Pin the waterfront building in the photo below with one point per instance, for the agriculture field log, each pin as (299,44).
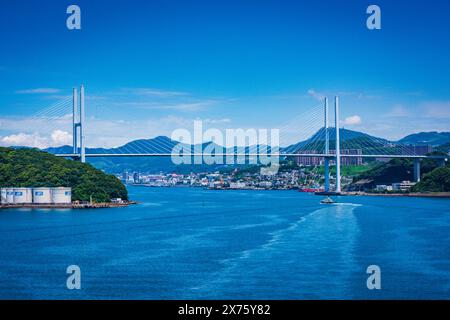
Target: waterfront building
(39,195)
(61,195)
(237,185)
(9,195)
(23,195)
(125,176)
(402,186)
(117,201)
(42,195)
(383,187)
(3,195)
(265,184)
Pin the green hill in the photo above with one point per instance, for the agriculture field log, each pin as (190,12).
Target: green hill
(33,168)
(384,173)
(437,180)
(396,170)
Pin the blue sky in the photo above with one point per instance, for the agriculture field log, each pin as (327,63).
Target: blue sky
(154,66)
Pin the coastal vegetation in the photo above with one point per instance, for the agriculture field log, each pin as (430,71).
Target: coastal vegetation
(383,173)
(438,180)
(34,168)
(397,170)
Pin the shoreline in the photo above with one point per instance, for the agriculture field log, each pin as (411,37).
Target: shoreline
(67,206)
(441,195)
(343,193)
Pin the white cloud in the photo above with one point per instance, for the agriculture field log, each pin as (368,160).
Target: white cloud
(182,106)
(37,139)
(25,140)
(316,95)
(426,109)
(155,92)
(398,111)
(352,121)
(195,106)
(217,121)
(38,91)
(154,99)
(60,138)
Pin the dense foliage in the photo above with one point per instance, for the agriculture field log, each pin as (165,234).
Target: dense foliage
(437,180)
(33,168)
(396,170)
(445,148)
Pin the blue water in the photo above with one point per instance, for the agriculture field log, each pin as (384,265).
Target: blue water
(183,243)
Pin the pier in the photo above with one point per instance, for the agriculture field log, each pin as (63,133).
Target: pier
(67,206)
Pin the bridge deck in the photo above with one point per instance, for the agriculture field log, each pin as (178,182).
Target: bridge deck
(100,155)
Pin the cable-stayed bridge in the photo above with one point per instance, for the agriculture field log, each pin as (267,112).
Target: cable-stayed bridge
(318,129)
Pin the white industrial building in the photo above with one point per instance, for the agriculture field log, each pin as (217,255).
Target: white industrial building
(23,195)
(237,185)
(41,195)
(402,186)
(61,195)
(383,187)
(9,195)
(3,195)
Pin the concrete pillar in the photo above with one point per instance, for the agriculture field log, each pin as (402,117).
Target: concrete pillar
(338,149)
(416,170)
(327,148)
(82,117)
(74,120)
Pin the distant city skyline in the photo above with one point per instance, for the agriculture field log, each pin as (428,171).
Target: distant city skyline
(152,67)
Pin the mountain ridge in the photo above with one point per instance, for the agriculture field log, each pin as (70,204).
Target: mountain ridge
(433,138)
(162,144)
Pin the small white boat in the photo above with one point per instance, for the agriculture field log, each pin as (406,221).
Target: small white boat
(327,200)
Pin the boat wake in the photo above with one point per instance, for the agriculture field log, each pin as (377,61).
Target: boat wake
(302,244)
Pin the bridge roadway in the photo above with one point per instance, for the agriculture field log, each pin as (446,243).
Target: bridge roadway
(321,155)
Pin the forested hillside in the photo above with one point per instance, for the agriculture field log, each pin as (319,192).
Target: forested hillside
(34,168)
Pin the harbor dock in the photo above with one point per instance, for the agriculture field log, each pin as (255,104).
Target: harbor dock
(67,205)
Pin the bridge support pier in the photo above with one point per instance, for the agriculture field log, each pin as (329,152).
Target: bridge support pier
(78,125)
(327,175)
(82,146)
(417,170)
(338,148)
(75,120)
(327,149)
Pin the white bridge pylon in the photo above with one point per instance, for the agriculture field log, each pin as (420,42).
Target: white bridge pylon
(337,153)
(78,119)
